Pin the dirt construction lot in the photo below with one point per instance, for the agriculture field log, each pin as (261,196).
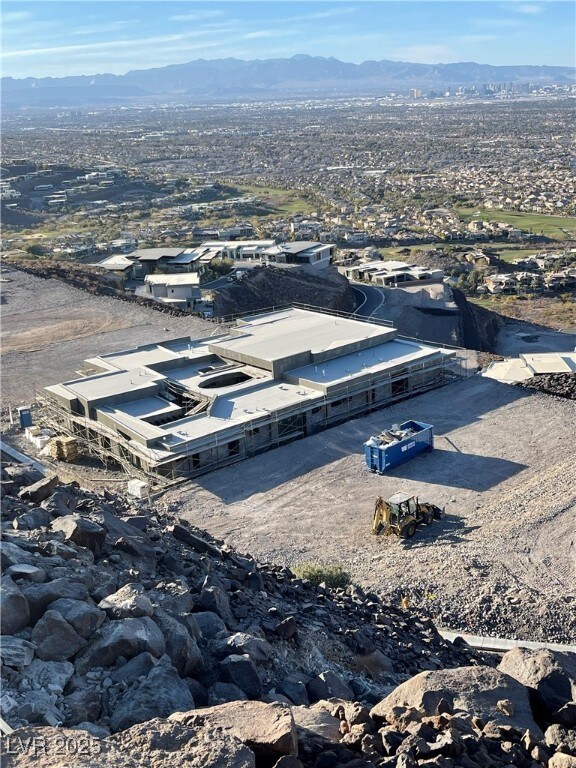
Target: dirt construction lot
(50,328)
(502,562)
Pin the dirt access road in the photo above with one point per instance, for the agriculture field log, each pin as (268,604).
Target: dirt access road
(502,562)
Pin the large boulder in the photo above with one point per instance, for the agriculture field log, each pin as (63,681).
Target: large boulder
(328,685)
(12,554)
(165,744)
(40,490)
(221,693)
(215,599)
(138,666)
(550,673)
(155,744)
(55,638)
(180,645)
(478,691)
(240,671)
(268,729)
(43,747)
(14,609)
(317,720)
(209,624)
(48,674)
(81,531)
(82,705)
(85,618)
(125,637)
(256,648)
(32,519)
(159,695)
(560,760)
(40,596)
(128,601)
(26,572)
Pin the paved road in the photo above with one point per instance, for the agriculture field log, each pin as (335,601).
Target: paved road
(215,283)
(369,300)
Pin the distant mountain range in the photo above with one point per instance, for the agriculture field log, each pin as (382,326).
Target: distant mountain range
(230,79)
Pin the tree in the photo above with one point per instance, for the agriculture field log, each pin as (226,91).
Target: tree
(35,250)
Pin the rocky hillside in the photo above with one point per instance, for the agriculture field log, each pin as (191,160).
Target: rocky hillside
(559,384)
(90,279)
(271,286)
(131,639)
(479,327)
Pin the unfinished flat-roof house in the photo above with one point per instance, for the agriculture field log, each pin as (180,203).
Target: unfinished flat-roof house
(186,406)
(179,290)
(391,274)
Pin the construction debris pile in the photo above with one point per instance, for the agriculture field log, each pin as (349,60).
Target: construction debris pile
(152,644)
(390,436)
(559,384)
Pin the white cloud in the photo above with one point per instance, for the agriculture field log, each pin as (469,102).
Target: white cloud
(321,15)
(196,16)
(528,8)
(111,46)
(477,38)
(97,29)
(423,54)
(268,33)
(12,16)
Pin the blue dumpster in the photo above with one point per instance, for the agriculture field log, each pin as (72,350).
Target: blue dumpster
(398,444)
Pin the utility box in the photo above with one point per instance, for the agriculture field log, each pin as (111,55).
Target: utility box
(398,444)
(25,416)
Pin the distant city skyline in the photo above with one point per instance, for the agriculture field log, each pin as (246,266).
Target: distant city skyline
(54,38)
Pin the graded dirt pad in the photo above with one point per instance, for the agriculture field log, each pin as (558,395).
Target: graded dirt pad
(50,328)
(502,561)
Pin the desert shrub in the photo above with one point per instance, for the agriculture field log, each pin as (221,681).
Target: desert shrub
(221,266)
(333,576)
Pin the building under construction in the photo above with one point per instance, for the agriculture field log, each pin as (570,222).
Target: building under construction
(183,407)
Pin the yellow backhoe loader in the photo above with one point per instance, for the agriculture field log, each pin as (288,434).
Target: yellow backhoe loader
(402,514)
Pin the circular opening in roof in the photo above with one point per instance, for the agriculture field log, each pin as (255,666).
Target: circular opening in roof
(225,380)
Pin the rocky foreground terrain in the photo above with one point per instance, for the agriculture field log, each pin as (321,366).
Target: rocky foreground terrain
(130,639)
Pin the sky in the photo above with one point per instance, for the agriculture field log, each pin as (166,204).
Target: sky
(43,38)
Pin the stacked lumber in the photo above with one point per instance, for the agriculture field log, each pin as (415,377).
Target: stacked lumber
(64,449)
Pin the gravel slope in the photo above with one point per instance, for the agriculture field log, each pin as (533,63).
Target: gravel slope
(502,562)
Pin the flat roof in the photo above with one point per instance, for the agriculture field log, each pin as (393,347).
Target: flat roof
(277,335)
(236,410)
(302,245)
(146,407)
(140,357)
(238,243)
(113,383)
(117,261)
(379,359)
(551,362)
(188,257)
(154,254)
(188,278)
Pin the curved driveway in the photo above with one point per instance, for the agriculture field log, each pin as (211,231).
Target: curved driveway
(369,299)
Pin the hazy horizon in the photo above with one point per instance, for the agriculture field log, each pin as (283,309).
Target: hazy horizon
(87,37)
